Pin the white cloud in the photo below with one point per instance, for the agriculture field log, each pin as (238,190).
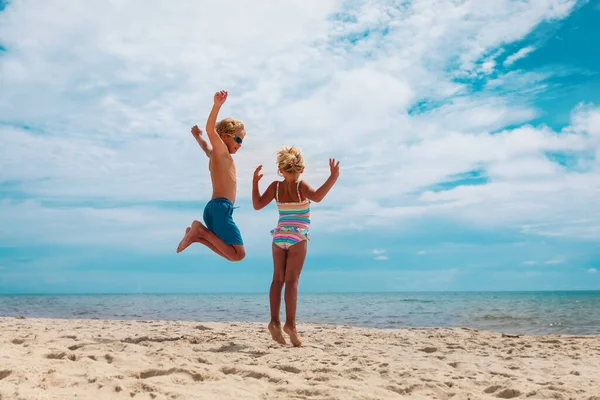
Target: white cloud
(553,261)
(488,66)
(109,101)
(380,255)
(522,53)
(592,270)
(421,252)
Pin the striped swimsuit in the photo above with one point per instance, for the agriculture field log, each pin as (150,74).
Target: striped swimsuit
(294,221)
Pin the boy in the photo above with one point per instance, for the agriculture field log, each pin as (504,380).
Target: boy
(221,234)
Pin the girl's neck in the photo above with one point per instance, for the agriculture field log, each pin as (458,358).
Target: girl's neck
(291,179)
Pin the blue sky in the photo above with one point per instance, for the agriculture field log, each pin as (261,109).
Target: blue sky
(468,134)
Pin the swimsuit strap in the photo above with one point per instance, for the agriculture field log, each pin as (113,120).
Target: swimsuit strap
(277,193)
(298,192)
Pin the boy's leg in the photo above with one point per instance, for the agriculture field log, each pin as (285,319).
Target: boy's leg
(279,260)
(293,267)
(198,233)
(221,228)
(188,239)
(235,252)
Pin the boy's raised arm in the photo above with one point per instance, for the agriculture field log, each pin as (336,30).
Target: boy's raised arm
(197,133)
(213,136)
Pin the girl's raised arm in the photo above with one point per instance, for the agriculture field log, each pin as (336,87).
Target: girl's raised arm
(320,193)
(261,201)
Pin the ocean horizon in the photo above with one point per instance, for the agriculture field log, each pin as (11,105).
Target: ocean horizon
(514,312)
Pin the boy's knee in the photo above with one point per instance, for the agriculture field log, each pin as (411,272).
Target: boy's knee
(239,255)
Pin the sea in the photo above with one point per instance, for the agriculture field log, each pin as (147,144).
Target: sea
(535,313)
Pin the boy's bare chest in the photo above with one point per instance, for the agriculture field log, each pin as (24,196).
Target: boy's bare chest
(222,165)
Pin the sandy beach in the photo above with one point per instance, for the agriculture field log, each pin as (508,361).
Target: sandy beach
(101,359)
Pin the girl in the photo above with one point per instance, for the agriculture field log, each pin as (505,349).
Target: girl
(291,235)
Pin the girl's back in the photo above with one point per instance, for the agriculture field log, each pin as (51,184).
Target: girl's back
(294,211)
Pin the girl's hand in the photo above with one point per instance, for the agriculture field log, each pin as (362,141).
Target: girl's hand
(334,167)
(257,174)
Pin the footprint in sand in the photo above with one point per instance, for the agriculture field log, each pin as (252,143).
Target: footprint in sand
(508,394)
(56,356)
(249,374)
(288,368)
(492,389)
(4,373)
(157,372)
(229,348)
(429,349)
(303,392)
(400,390)
(324,370)
(203,328)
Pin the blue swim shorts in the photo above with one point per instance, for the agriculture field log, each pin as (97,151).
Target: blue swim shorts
(218,217)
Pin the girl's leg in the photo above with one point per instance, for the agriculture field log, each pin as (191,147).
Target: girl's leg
(279,260)
(293,267)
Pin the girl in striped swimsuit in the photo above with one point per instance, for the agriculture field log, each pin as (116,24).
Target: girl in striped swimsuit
(290,237)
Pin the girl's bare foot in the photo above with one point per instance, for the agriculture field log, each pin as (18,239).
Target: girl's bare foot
(291,331)
(191,235)
(276,333)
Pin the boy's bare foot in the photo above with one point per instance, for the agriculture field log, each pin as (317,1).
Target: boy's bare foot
(293,335)
(192,235)
(185,242)
(276,333)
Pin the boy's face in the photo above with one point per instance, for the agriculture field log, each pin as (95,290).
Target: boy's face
(233,141)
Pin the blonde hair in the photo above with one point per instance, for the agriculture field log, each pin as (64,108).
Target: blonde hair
(230,125)
(289,159)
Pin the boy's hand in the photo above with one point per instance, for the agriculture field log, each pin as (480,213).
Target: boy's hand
(257,174)
(196,132)
(220,97)
(334,167)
